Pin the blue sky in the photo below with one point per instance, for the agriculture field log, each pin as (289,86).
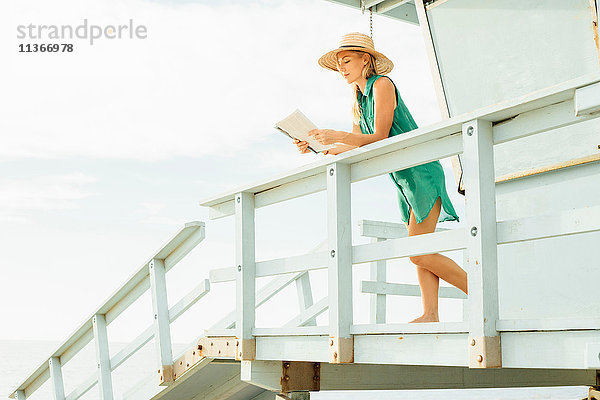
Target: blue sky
(106,151)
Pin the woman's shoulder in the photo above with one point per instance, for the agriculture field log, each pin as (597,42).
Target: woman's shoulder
(381,85)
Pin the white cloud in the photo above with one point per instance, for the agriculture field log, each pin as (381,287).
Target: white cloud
(207,80)
(18,198)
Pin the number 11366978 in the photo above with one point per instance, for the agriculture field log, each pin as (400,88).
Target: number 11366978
(46,48)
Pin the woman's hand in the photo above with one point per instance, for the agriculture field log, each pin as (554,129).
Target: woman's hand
(302,146)
(326,136)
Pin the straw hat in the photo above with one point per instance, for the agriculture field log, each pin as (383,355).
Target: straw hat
(361,42)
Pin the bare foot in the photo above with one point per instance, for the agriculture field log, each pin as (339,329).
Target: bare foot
(426,318)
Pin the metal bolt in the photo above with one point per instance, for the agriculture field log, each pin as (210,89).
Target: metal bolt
(211,343)
(155,316)
(227,343)
(470,131)
(332,253)
(317,365)
(193,353)
(159,371)
(331,172)
(474,231)
(239,267)
(331,342)
(479,358)
(98,365)
(199,347)
(335,355)
(316,379)
(180,362)
(239,199)
(287,378)
(286,365)
(187,364)
(472,342)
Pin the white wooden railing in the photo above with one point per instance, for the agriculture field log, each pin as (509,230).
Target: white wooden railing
(473,135)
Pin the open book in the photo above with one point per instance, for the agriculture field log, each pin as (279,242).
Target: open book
(297,126)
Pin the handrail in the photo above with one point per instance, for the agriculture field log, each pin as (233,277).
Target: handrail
(172,252)
(268,191)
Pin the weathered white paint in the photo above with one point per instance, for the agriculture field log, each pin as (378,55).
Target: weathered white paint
(160,308)
(245,259)
(481,227)
(377,272)
(102,357)
(339,230)
(509,48)
(56,377)
(587,99)
(305,299)
(307,316)
(402,289)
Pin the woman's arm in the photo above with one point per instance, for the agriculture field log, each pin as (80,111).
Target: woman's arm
(341,148)
(384,94)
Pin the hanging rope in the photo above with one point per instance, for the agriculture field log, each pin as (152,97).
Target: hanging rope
(362,10)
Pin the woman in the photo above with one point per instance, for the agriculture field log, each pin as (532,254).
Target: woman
(379,112)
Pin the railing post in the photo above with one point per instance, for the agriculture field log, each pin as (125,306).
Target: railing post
(378,300)
(58,387)
(305,298)
(245,258)
(339,234)
(102,357)
(484,339)
(162,323)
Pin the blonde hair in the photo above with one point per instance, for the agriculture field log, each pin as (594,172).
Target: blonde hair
(367,72)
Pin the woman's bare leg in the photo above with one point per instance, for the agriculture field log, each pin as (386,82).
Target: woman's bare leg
(431,267)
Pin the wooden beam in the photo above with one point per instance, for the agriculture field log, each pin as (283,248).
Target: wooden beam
(162,323)
(377,272)
(484,349)
(401,289)
(339,228)
(102,357)
(56,377)
(245,258)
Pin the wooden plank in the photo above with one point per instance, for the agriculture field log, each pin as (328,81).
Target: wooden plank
(308,315)
(262,296)
(162,324)
(478,156)
(300,263)
(245,258)
(397,329)
(305,299)
(339,230)
(382,229)
(292,331)
(450,240)
(586,100)
(377,306)
(102,357)
(56,378)
(401,289)
(83,388)
(548,325)
(567,222)
(536,121)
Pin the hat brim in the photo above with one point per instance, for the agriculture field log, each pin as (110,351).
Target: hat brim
(383,65)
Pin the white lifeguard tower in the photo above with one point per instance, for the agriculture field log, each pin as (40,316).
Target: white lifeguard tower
(518,84)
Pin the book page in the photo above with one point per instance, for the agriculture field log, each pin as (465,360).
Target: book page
(297,125)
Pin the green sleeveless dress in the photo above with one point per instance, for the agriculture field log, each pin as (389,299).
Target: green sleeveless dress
(418,187)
